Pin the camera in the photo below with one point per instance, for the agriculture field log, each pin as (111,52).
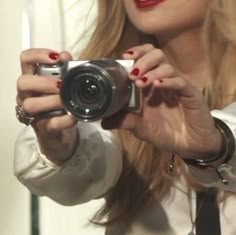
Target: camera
(94,89)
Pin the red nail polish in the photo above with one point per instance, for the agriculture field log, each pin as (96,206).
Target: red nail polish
(144,79)
(59,84)
(129,52)
(135,72)
(53,55)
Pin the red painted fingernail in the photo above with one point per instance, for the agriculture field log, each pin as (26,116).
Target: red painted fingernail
(144,79)
(135,72)
(53,55)
(129,52)
(59,84)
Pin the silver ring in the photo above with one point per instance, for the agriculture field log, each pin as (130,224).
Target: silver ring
(22,116)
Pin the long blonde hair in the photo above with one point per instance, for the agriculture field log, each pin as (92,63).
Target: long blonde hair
(145,174)
(220,41)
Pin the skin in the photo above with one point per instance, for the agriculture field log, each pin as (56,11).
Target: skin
(174,85)
(168,19)
(57,135)
(174,116)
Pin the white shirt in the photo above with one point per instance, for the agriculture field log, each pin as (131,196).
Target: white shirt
(95,168)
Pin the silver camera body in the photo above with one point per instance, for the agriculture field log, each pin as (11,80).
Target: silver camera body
(94,89)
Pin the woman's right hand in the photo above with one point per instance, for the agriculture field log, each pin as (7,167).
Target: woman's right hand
(57,135)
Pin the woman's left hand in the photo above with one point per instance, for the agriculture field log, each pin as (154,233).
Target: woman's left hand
(174,116)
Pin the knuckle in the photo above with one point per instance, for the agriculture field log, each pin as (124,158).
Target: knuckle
(27,106)
(140,133)
(20,84)
(182,82)
(160,53)
(54,125)
(24,55)
(169,69)
(65,56)
(149,46)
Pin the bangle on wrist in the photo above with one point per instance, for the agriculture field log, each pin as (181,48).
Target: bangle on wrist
(217,161)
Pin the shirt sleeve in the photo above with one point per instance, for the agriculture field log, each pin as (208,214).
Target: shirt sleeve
(212,177)
(93,169)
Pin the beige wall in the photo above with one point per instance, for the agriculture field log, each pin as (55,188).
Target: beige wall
(14,200)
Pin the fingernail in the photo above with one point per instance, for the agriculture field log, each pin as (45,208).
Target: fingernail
(144,79)
(59,84)
(129,52)
(53,55)
(135,72)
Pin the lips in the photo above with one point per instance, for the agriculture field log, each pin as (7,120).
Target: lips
(147,3)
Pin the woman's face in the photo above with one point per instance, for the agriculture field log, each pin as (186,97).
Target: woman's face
(166,17)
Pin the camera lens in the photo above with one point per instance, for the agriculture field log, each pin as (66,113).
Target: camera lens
(95,89)
(85,93)
(88,91)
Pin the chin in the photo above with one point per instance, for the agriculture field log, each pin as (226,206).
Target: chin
(152,28)
(165,31)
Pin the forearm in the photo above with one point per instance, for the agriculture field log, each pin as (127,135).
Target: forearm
(90,172)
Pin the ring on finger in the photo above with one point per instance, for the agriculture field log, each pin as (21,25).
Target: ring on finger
(22,116)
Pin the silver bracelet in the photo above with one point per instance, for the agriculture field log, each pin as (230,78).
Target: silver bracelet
(217,161)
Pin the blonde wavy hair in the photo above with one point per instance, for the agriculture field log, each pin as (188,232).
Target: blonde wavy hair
(145,174)
(220,40)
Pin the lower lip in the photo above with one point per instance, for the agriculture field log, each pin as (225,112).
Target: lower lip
(148,3)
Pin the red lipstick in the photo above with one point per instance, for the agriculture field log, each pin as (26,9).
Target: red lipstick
(147,3)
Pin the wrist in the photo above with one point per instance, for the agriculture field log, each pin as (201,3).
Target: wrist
(215,146)
(227,149)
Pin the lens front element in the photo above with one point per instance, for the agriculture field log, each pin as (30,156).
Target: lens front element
(95,89)
(86,93)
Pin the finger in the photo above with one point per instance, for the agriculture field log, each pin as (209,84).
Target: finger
(34,105)
(39,84)
(31,57)
(28,85)
(146,63)
(161,72)
(181,86)
(138,51)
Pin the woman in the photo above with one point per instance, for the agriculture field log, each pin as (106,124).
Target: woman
(152,163)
